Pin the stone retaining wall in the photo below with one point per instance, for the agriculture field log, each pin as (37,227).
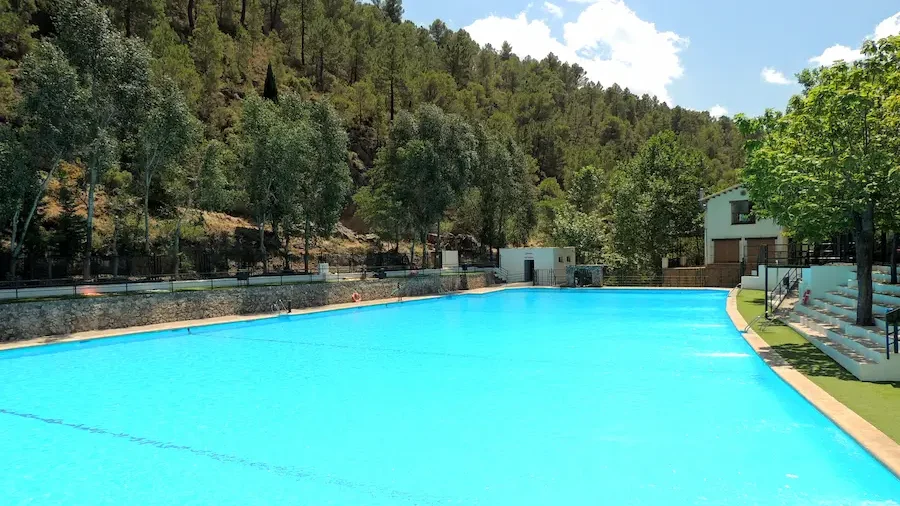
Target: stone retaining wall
(27,320)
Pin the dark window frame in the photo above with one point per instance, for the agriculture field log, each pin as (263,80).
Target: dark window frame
(741,217)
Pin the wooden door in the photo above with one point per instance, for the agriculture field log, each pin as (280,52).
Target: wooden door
(753,247)
(727,251)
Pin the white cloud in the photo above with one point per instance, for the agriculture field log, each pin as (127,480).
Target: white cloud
(773,76)
(835,53)
(553,9)
(717,111)
(608,40)
(886,28)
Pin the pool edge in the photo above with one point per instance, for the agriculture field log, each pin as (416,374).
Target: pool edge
(877,443)
(91,335)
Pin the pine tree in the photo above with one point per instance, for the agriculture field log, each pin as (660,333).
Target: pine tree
(270,90)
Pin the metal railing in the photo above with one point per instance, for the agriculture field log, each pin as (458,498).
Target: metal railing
(785,286)
(549,277)
(892,318)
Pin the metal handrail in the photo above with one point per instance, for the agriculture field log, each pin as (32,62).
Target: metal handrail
(785,286)
(892,317)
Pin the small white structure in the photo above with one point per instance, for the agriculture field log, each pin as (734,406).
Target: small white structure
(521,263)
(732,233)
(449,259)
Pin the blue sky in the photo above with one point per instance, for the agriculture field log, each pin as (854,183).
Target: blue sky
(701,54)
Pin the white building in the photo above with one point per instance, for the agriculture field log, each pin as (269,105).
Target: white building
(732,232)
(521,263)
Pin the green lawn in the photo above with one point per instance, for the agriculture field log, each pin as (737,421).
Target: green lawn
(879,403)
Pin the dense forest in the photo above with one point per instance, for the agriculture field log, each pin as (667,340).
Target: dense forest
(126,126)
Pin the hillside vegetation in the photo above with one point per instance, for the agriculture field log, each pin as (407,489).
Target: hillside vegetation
(126,124)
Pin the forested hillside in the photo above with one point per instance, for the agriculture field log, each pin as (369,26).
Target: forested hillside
(126,124)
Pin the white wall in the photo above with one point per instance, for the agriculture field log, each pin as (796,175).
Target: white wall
(775,275)
(449,258)
(513,259)
(717,223)
(821,279)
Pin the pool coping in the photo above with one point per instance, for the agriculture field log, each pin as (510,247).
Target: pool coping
(877,443)
(90,335)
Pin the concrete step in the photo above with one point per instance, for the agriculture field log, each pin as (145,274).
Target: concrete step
(851,300)
(844,317)
(883,269)
(880,298)
(878,286)
(862,346)
(857,364)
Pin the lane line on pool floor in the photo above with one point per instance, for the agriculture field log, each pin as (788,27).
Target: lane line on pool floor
(282,470)
(877,443)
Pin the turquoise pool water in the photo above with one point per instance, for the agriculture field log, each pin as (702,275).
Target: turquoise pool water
(518,398)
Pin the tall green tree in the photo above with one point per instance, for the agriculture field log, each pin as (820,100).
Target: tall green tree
(53,109)
(425,165)
(164,136)
(118,72)
(656,201)
(829,164)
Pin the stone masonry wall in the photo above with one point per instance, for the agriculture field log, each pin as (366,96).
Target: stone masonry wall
(26,320)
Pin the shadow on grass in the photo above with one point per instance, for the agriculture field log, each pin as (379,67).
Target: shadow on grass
(809,360)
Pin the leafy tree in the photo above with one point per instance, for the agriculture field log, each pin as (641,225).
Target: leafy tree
(16,29)
(53,107)
(587,188)
(392,9)
(425,166)
(167,131)
(656,201)
(327,185)
(118,71)
(208,47)
(120,201)
(173,59)
(829,163)
(132,15)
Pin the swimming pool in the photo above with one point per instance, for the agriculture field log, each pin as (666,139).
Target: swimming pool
(520,397)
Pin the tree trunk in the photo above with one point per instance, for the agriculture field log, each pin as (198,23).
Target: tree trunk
(115,246)
(321,70)
(190,13)
(89,240)
(287,252)
(412,250)
(306,246)
(392,97)
(147,214)
(17,241)
(244,13)
(437,248)
(177,245)
(894,258)
(262,241)
(424,251)
(128,16)
(303,32)
(864,224)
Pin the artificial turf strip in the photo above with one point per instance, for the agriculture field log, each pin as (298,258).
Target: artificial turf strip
(879,403)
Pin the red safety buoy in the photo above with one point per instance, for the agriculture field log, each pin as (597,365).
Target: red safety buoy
(356,297)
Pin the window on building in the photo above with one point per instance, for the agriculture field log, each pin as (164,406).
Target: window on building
(568,259)
(560,259)
(742,212)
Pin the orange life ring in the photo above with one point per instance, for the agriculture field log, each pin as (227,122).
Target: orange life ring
(356,297)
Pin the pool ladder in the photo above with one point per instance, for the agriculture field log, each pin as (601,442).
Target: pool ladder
(280,307)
